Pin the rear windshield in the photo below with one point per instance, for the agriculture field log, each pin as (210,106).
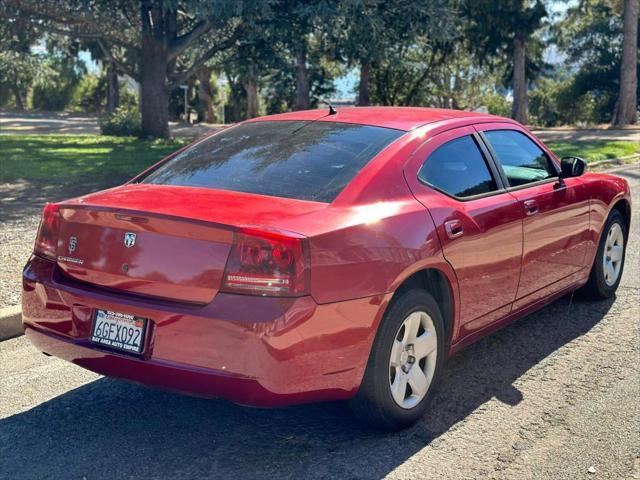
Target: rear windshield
(293,159)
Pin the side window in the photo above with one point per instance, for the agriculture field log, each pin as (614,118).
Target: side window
(522,160)
(458,168)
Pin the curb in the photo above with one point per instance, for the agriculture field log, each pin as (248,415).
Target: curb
(10,322)
(615,162)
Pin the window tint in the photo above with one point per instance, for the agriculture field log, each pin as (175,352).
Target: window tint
(458,168)
(522,160)
(303,160)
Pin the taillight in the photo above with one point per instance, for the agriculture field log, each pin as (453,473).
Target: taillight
(47,238)
(268,264)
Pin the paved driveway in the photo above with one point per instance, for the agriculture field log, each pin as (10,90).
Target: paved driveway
(32,123)
(550,397)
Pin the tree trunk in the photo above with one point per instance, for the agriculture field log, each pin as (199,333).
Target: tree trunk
(519,85)
(154,100)
(302,79)
(626,109)
(363,86)
(158,29)
(19,101)
(205,95)
(113,89)
(250,85)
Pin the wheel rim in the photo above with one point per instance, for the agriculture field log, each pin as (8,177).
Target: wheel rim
(613,254)
(413,359)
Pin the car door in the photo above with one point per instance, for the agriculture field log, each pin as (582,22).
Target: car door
(556,223)
(479,223)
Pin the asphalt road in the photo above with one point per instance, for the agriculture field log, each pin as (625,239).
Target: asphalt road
(556,395)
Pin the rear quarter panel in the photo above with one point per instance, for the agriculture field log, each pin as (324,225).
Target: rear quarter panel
(375,249)
(605,191)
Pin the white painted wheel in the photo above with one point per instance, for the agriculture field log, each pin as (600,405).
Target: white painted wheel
(413,359)
(613,254)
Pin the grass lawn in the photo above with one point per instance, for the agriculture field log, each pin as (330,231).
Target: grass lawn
(61,159)
(594,150)
(64,159)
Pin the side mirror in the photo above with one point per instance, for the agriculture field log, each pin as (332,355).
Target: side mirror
(572,167)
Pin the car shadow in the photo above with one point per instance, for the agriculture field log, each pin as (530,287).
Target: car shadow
(112,429)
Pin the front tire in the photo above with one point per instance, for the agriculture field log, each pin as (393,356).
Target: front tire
(404,365)
(608,264)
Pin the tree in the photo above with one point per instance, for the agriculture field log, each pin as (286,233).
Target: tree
(19,66)
(149,40)
(369,32)
(407,74)
(590,36)
(207,92)
(501,30)
(17,73)
(300,27)
(626,109)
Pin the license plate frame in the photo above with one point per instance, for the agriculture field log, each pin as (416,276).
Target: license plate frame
(126,332)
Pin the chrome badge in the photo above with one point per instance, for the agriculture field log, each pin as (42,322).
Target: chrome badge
(129,239)
(73,244)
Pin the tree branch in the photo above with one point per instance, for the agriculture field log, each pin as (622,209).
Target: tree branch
(119,65)
(178,78)
(180,44)
(78,26)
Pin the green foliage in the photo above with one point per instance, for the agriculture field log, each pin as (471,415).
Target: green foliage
(279,81)
(491,25)
(125,122)
(497,104)
(555,102)
(90,94)
(55,90)
(591,37)
(18,70)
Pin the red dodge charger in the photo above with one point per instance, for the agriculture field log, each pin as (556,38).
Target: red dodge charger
(318,255)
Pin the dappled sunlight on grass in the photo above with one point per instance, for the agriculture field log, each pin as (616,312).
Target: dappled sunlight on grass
(68,158)
(593,150)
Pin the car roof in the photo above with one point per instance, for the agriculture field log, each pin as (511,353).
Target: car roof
(400,118)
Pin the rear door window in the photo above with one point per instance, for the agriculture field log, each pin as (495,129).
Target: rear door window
(292,159)
(522,160)
(458,168)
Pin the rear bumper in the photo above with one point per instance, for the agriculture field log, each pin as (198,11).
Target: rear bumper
(256,351)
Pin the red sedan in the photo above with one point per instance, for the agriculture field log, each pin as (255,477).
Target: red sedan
(322,256)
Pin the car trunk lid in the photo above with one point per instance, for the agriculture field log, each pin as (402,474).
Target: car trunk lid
(164,242)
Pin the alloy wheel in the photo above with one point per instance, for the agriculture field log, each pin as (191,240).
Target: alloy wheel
(613,254)
(413,359)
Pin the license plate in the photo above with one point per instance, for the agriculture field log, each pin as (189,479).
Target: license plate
(119,330)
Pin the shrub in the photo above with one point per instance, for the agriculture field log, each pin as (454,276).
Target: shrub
(498,104)
(124,123)
(90,94)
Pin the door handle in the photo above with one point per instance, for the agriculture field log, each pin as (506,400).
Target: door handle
(453,228)
(531,207)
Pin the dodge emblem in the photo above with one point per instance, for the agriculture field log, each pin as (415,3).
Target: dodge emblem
(73,243)
(129,239)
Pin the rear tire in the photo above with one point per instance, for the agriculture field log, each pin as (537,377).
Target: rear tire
(608,264)
(404,365)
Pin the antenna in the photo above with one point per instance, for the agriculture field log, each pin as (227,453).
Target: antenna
(332,111)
